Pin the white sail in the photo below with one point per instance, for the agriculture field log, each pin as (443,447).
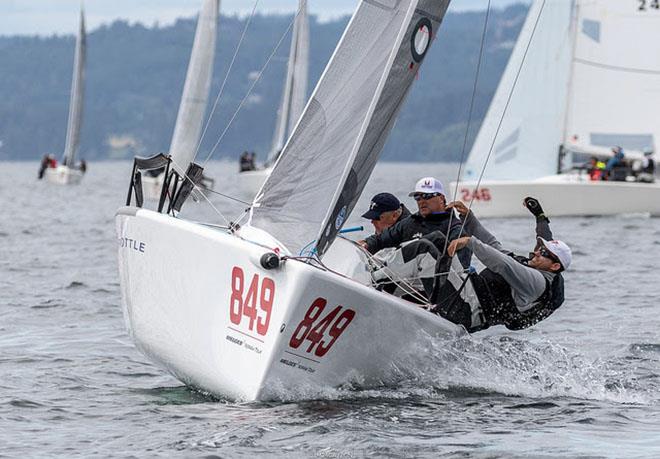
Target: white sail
(533,127)
(334,147)
(295,84)
(77,94)
(196,89)
(615,96)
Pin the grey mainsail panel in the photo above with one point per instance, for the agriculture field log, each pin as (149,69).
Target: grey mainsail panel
(295,83)
(334,148)
(196,89)
(77,95)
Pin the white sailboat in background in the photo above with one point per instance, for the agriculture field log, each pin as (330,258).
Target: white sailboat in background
(293,101)
(245,312)
(68,173)
(194,99)
(590,81)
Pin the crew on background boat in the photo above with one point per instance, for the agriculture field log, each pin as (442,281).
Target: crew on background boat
(384,211)
(646,172)
(510,291)
(595,168)
(247,162)
(83,166)
(615,168)
(48,160)
(419,240)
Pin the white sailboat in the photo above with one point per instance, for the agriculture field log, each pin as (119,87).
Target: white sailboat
(67,172)
(194,99)
(294,96)
(244,312)
(589,81)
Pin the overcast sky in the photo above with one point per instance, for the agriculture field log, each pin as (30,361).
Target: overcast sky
(45,17)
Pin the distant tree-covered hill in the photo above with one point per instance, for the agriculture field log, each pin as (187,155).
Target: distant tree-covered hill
(135,76)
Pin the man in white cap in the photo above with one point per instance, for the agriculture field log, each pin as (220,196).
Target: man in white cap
(433,222)
(511,290)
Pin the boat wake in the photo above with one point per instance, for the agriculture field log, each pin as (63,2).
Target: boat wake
(500,365)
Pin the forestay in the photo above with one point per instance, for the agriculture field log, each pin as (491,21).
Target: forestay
(533,126)
(616,64)
(77,95)
(196,88)
(295,84)
(334,147)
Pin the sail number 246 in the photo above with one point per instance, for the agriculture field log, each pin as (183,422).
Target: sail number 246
(646,4)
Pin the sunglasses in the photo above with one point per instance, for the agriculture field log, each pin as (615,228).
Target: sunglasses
(424,196)
(544,252)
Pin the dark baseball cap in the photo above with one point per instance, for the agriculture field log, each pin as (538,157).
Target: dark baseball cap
(382,202)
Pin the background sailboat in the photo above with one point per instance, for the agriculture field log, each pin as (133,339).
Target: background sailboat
(294,96)
(68,172)
(194,99)
(584,77)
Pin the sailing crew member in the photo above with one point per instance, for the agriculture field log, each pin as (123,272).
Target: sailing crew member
(616,161)
(384,211)
(432,222)
(419,239)
(646,172)
(510,291)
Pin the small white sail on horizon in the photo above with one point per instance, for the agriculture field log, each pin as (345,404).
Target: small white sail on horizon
(77,96)
(294,94)
(196,89)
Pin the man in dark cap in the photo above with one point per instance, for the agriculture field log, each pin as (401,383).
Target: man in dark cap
(384,211)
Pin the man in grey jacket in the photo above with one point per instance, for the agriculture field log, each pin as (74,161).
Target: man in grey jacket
(511,291)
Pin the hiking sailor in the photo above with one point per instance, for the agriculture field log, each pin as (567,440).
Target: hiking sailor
(419,240)
(511,291)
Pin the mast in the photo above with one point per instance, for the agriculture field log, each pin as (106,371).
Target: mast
(77,94)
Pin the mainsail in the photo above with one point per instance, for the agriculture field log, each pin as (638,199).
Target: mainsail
(196,89)
(615,95)
(334,147)
(533,125)
(590,79)
(295,84)
(77,94)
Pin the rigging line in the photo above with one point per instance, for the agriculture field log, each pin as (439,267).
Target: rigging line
(506,107)
(228,197)
(467,129)
(261,72)
(616,67)
(224,82)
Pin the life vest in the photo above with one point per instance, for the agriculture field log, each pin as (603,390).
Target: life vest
(498,307)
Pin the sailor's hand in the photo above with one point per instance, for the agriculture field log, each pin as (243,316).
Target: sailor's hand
(362,243)
(461,208)
(533,206)
(456,245)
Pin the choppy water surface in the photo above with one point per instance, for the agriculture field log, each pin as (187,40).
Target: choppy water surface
(584,383)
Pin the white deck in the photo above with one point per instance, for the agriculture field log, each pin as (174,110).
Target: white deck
(63,175)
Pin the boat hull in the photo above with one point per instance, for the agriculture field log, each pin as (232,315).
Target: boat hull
(250,182)
(197,301)
(63,175)
(562,195)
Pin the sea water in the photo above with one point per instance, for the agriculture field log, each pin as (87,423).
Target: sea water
(583,383)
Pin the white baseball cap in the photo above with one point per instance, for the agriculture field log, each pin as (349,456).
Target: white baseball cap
(428,185)
(560,250)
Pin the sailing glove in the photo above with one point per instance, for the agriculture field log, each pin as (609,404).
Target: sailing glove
(535,208)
